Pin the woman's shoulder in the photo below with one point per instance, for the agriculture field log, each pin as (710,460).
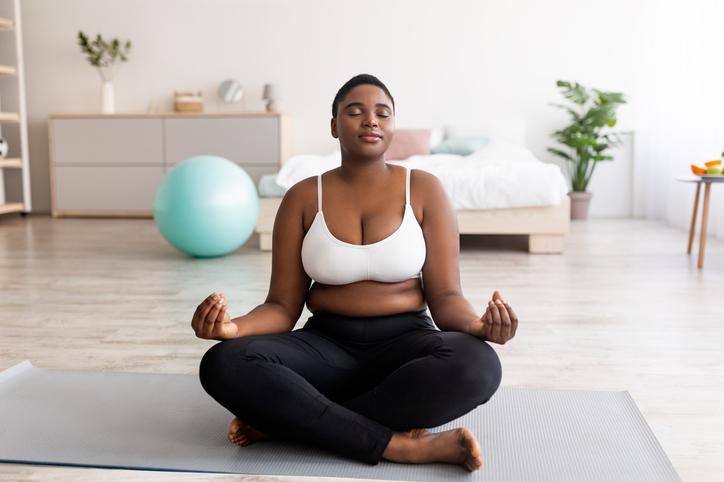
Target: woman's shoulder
(426,190)
(420,174)
(301,198)
(423,181)
(302,189)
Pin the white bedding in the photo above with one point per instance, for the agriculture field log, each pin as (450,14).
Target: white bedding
(499,175)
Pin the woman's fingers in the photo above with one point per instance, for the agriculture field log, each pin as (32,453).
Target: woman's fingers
(222,312)
(211,316)
(513,319)
(220,317)
(201,312)
(495,325)
(506,325)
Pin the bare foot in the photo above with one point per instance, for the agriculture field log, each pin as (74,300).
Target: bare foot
(457,446)
(243,434)
(416,432)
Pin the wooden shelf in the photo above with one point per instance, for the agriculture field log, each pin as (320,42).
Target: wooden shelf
(9,117)
(11,162)
(13,110)
(11,208)
(8,70)
(7,23)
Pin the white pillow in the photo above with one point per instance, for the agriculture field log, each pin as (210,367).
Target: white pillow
(437,135)
(509,130)
(504,151)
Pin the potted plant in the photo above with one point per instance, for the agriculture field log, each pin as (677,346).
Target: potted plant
(587,138)
(104,55)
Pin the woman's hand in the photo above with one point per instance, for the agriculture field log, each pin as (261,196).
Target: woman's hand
(499,322)
(211,320)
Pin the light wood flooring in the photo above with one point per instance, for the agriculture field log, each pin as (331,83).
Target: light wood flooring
(623,309)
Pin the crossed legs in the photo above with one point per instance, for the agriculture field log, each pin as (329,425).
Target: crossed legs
(306,387)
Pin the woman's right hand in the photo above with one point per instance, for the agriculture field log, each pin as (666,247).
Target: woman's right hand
(211,319)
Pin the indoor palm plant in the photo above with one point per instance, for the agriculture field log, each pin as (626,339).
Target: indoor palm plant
(587,138)
(104,55)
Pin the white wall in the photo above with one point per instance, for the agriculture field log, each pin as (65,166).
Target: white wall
(443,61)
(681,114)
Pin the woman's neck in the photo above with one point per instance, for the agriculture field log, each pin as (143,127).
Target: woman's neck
(364,173)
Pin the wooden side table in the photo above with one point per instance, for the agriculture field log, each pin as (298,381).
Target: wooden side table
(707,181)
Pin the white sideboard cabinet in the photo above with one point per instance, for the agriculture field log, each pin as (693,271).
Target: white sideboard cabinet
(111,164)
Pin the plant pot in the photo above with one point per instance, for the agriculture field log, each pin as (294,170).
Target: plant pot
(108,101)
(579,204)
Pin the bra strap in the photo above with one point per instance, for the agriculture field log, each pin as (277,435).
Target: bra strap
(407,187)
(319,192)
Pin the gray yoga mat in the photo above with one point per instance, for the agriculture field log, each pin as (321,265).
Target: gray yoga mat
(167,422)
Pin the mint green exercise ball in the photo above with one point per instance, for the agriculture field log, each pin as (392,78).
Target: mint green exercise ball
(206,206)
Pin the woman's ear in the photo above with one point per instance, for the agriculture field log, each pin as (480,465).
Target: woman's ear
(333,126)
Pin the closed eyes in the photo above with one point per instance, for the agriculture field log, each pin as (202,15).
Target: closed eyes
(353,114)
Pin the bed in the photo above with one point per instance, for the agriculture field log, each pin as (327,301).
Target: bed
(498,188)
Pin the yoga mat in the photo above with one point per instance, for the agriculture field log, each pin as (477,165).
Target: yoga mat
(167,422)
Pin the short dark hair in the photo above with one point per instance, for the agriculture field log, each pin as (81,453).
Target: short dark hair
(360,79)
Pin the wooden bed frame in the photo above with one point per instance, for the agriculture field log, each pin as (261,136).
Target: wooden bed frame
(545,226)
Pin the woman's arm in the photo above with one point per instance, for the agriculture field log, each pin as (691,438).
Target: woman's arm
(441,272)
(289,282)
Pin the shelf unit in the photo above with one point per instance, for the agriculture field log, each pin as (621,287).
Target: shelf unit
(13,112)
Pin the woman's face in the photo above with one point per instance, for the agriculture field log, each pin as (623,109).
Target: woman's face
(365,122)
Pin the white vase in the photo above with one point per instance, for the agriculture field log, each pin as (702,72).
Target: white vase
(108,101)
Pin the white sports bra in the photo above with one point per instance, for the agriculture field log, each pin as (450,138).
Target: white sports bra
(396,258)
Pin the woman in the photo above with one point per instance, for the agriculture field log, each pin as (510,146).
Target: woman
(369,371)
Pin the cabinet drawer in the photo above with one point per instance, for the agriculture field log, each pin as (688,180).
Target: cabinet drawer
(253,140)
(255,172)
(107,141)
(101,188)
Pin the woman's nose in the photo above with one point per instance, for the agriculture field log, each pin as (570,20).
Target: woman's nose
(371,121)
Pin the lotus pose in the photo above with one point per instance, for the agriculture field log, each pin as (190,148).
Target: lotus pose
(370,247)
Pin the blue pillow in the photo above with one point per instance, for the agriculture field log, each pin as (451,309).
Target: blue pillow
(461,146)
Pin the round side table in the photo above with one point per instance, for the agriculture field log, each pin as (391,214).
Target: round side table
(707,181)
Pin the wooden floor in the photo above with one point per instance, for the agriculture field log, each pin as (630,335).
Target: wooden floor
(623,309)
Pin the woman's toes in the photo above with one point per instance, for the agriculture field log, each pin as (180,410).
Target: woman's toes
(234,426)
(473,464)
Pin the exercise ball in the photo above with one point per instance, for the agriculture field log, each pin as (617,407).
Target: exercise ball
(206,206)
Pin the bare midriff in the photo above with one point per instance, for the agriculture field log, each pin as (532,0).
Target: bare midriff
(367,298)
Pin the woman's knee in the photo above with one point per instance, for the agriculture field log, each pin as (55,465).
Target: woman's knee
(229,361)
(212,366)
(493,372)
(477,367)
(220,361)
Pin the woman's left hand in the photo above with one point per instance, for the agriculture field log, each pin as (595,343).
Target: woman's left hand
(499,322)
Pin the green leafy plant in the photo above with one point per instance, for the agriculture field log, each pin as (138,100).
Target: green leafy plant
(101,53)
(586,139)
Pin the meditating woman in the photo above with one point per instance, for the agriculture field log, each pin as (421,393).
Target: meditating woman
(369,371)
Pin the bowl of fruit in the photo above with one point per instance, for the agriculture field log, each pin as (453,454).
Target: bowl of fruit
(710,168)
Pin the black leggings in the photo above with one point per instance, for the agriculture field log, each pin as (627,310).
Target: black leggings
(345,384)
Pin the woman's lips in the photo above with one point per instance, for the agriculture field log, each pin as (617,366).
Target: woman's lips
(371,139)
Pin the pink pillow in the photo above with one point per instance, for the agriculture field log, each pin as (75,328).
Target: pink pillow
(408,142)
